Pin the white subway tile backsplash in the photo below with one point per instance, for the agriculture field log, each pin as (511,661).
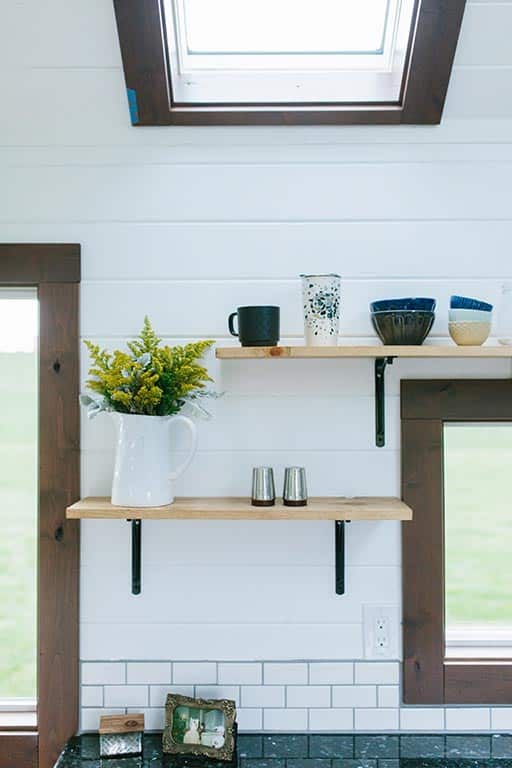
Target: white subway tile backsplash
(388,696)
(308,696)
(126,696)
(501,719)
(263,696)
(154,718)
(377,673)
(148,672)
(198,673)
(331,672)
(158,693)
(354,696)
(422,719)
(249,719)
(240,674)
(285,719)
(372,705)
(376,719)
(103,673)
(331,719)
(276,673)
(92,696)
(218,692)
(468,718)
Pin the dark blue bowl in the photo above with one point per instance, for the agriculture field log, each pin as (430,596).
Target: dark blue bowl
(389,305)
(464,302)
(403,327)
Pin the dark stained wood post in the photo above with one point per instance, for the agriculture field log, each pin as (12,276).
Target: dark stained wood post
(55,271)
(429,676)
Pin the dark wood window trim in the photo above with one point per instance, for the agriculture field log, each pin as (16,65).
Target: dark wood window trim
(55,271)
(428,676)
(432,47)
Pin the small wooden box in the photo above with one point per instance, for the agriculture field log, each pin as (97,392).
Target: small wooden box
(121,735)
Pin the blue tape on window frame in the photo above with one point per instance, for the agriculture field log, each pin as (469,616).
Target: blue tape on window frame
(132,104)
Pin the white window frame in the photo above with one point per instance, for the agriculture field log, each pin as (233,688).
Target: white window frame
(289,78)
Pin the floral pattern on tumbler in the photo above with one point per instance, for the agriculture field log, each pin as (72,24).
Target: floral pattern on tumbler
(321,297)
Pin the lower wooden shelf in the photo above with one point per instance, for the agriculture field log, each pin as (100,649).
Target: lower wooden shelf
(236,508)
(339,509)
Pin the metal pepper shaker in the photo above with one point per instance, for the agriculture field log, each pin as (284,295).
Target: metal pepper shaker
(295,492)
(263,487)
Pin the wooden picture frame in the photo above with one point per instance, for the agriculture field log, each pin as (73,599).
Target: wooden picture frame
(54,269)
(173,740)
(429,677)
(431,50)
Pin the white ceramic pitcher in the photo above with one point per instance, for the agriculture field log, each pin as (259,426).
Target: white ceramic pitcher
(143,476)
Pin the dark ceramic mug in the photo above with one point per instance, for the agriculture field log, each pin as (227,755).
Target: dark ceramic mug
(257,326)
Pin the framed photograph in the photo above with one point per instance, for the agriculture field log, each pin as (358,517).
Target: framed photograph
(199,727)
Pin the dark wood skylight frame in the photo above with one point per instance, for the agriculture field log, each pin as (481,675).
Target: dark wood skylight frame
(432,45)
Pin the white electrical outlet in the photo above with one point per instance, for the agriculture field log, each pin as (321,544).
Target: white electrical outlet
(381,628)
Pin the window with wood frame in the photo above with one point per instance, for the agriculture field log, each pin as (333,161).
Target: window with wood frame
(39,478)
(456,565)
(287,62)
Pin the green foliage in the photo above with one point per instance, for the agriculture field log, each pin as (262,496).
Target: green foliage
(149,379)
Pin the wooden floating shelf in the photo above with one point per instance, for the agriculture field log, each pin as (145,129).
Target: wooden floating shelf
(234,508)
(339,509)
(381,354)
(371,352)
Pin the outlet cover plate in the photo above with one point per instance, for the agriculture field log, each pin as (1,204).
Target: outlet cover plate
(381,626)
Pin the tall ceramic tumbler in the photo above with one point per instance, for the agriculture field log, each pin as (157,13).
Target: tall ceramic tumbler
(321,300)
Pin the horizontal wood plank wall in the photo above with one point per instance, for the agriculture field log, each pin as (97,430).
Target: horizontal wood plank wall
(186,225)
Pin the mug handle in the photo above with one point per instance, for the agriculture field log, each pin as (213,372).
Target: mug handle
(231,323)
(193,447)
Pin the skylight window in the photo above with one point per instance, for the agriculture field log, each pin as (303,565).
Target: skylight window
(274,51)
(284,26)
(287,62)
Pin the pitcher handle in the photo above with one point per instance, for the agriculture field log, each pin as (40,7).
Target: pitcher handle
(193,447)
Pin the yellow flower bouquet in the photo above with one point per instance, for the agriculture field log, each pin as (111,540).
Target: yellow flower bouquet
(149,379)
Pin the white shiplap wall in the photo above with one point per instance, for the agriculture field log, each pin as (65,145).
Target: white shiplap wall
(187,223)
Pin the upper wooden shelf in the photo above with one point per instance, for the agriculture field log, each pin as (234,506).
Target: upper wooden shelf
(372,352)
(233,508)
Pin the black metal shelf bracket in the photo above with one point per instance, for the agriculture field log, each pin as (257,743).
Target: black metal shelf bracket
(380,405)
(339,553)
(136,555)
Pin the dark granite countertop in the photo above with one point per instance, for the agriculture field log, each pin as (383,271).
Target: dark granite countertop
(315,751)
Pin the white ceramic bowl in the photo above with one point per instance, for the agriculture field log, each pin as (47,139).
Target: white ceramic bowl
(469,316)
(469,334)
